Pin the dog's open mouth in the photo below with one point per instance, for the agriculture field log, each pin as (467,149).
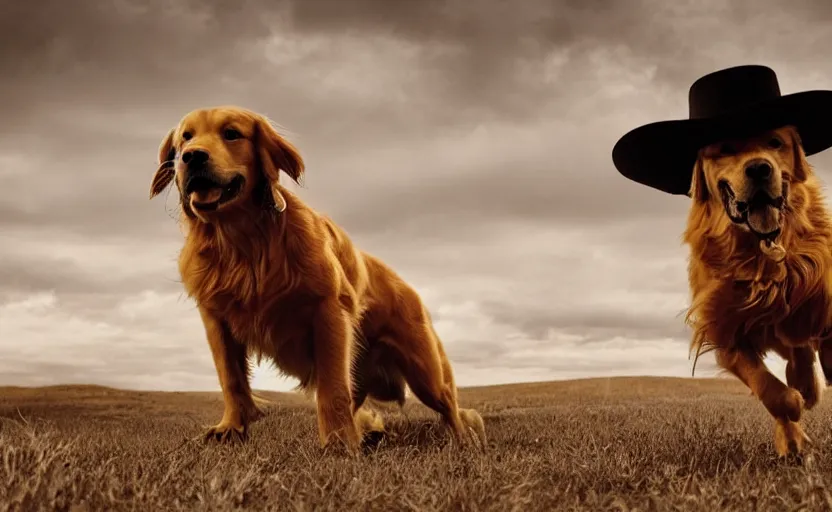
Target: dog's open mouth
(762,214)
(207,194)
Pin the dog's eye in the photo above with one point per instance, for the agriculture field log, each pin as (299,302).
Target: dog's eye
(231,134)
(727,150)
(775,143)
(186,135)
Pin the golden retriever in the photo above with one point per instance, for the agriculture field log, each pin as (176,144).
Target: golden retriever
(760,271)
(272,277)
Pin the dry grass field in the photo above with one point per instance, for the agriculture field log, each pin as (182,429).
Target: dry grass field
(597,444)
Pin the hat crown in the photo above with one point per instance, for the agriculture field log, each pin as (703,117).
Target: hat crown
(729,89)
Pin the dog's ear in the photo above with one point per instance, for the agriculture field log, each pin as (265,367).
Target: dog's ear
(698,183)
(277,154)
(801,165)
(166,171)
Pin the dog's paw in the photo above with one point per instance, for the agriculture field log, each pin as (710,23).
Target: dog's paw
(343,442)
(790,439)
(368,420)
(811,395)
(341,437)
(225,432)
(472,420)
(371,428)
(338,427)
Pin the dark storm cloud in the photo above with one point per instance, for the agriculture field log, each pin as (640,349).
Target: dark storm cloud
(162,53)
(90,49)
(97,49)
(466,142)
(159,55)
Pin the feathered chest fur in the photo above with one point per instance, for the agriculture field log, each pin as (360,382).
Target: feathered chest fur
(748,300)
(249,289)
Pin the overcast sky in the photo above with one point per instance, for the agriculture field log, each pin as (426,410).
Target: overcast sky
(467,143)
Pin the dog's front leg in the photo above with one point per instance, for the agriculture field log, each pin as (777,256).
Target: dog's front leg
(785,404)
(333,339)
(230,360)
(801,374)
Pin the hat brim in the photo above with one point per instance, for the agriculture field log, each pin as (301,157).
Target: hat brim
(661,155)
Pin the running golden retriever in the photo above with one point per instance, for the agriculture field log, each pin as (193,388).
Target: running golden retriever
(761,271)
(274,278)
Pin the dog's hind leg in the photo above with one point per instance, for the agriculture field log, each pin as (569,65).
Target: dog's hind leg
(365,381)
(428,373)
(470,417)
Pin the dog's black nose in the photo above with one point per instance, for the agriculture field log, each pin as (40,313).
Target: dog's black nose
(195,158)
(758,170)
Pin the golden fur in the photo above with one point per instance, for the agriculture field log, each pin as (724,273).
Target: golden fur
(745,303)
(274,278)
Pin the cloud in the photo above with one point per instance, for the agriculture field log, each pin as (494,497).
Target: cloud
(466,145)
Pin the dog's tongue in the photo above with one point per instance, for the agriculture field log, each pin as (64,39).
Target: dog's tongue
(210,195)
(764,220)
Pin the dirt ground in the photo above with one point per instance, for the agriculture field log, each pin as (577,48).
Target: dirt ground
(597,444)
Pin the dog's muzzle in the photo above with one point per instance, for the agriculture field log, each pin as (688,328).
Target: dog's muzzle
(759,211)
(761,214)
(207,191)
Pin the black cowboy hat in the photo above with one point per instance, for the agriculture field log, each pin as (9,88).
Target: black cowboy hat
(730,103)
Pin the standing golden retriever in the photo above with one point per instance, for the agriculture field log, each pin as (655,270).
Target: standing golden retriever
(761,270)
(274,278)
